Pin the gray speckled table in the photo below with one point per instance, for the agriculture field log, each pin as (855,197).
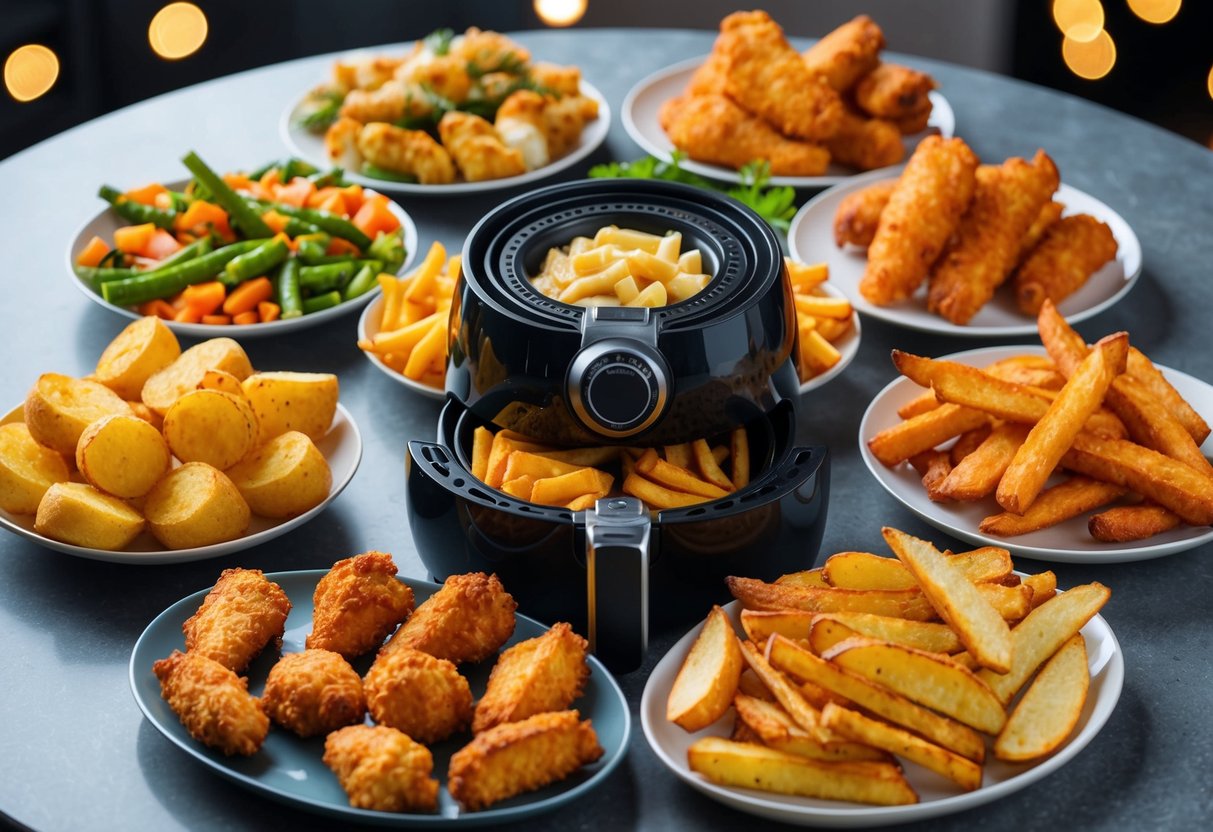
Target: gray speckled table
(75,753)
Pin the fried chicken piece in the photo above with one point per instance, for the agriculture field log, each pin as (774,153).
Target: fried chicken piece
(383,769)
(766,76)
(712,129)
(846,54)
(446,75)
(533,677)
(865,143)
(212,702)
(711,77)
(424,697)
(488,50)
(519,757)
(341,143)
(476,148)
(411,152)
(894,92)
(914,122)
(466,621)
(562,80)
(239,616)
(924,209)
(313,692)
(563,120)
(387,103)
(1049,214)
(858,214)
(1073,249)
(1008,198)
(357,604)
(369,74)
(520,125)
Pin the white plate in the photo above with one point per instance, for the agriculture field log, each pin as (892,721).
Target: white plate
(310,146)
(368,327)
(1067,542)
(937,796)
(811,239)
(643,104)
(106,222)
(341,446)
(847,346)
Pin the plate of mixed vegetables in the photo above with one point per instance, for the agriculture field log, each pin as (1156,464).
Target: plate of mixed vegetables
(281,247)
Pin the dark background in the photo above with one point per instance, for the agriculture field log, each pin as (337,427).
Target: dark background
(106,62)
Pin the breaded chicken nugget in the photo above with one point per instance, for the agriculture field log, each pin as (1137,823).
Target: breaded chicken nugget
(476,148)
(766,76)
(865,143)
(488,49)
(520,125)
(562,80)
(713,129)
(1008,198)
(382,769)
(914,122)
(858,214)
(387,103)
(212,702)
(466,621)
(563,120)
(1073,249)
(520,757)
(239,616)
(446,75)
(924,209)
(533,677)
(423,696)
(341,143)
(412,152)
(313,692)
(357,604)
(846,54)
(894,92)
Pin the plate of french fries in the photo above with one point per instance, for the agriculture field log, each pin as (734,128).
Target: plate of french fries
(876,690)
(1081,463)
(828,325)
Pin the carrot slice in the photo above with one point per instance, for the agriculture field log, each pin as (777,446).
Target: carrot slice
(238,181)
(246,296)
(147,194)
(158,308)
(217,320)
(249,317)
(187,315)
(295,192)
(268,311)
(93,253)
(354,196)
(205,297)
(340,246)
(131,239)
(374,216)
(201,217)
(277,222)
(334,203)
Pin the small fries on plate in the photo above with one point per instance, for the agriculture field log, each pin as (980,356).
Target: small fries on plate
(828,325)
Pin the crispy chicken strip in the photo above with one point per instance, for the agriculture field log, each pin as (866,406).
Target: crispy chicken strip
(411,152)
(562,80)
(357,604)
(488,49)
(446,75)
(533,677)
(466,621)
(865,143)
(313,692)
(476,148)
(519,757)
(387,103)
(846,54)
(563,120)
(520,125)
(212,702)
(894,92)
(924,209)
(243,613)
(341,143)
(858,214)
(383,769)
(712,129)
(711,77)
(424,697)
(1049,214)
(369,74)
(1072,249)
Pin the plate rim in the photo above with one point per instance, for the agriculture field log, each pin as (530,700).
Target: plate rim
(417,387)
(1125,555)
(400,819)
(849,350)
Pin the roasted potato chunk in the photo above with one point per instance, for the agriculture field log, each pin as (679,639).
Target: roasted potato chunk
(122,455)
(195,505)
(27,469)
(139,351)
(59,408)
(212,427)
(284,477)
(79,514)
(183,375)
(286,401)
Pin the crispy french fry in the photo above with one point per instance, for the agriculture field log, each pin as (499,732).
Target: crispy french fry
(806,277)
(705,460)
(756,595)
(540,467)
(404,339)
(482,445)
(719,453)
(919,404)
(785,693)
(1141,368)
(679,455)
(584,501)
(1071,498)
(817,354)
(653,295)
(520,487)
(739,442)
(589,457)
(751,685)
(864,570)
(938,466)
(430,350)
(1125,523)
(968,442)
(1043,585)
(657,496)
(771,726)
(823,306)
(564,488)
(977,475)
(828,629)
(1050,708)
(679,479)
(923,432)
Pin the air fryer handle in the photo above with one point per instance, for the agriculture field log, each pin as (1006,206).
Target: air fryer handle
(617,537)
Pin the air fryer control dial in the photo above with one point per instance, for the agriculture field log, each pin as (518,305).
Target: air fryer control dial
(617,387)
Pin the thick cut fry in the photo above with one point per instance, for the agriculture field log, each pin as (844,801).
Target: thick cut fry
(739,447)
(859,213)
(482,444)
(864,570)
(977,475)
(895,445)
(1141,368)
(1043,586)
(846,54)
(679,479)
(707,681)
(934,467)
(705,459)
(680,455)
(559,490)
(1070,251)
(1063,501)
(828,629)
(968,442)
(657,496)
(756,595)
(771,726)
(1125,523)
(785,693)
(1050,708)
(751,685)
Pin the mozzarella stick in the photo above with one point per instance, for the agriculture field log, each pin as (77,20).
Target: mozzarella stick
(894,92)
(865,143)
(859,213)
(1073,249)
(846,54)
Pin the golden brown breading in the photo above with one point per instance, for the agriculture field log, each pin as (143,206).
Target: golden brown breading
(212,702)
(520,757)
(368,74)
(313,692)
(382,769)
(341,143)
(535,676)
(1073,248)
(487,49)
(1049,214)
(924,209)
(894,92)
(858,214)
(476,148)
(712,129)
(563,80)
(412,152)
(865,143)
(520,125)
(387,103)
(357,604)
(466,621)
(446,75)
(564,119)
(1008,198)
(766,76)
(914,122)
(423,696)
(846,54)
(242,613)
(711,76)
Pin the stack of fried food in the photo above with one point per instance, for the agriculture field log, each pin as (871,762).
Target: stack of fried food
(869,660)
(525,737)
(495,113)
(821,318)
(965,229)
(1102,418)
(756,97)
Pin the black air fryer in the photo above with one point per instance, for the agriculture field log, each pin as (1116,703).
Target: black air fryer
(572,375)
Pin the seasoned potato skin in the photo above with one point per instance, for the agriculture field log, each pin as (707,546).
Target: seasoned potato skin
(284,401)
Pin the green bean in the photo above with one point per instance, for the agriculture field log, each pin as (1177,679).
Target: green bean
(325,220)
(252,263)
(296,227)
(136,212)
(310,257)
(293,167)
(361,283)
(97,275)
(326,301)
(286,290)
(376,172)
(161,283)
(333,176)
(390,249)
(239,213)
(199,247)
(317,279)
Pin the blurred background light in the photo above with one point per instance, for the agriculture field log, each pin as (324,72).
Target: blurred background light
(177,31)
(1079,20)
(1091,59)
(1210,82)
(560,12)
(1155,11)
(30,71)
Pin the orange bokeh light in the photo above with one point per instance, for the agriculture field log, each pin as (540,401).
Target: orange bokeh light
(1079,20)
(177,31)
(1155,11)
(30,71)
(1091,60)
(560,12)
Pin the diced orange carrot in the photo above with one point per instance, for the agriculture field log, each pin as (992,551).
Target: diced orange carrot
(296,192)
(353,197)
(160,245)
(374,216)
(187,315)
(321,195)
(238,181)
(340,246)
(268,311)
(158,308)
(163,201)
(147,194)
(177,301)
(249,317)
(205,297)
(92,254)
(246,296)
(277,222)
(334,203)
(131,239)
(270,178)
(202,217)
(217,320)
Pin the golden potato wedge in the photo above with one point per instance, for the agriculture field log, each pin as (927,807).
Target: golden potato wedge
(785,693)
(195,505)
(122,455)
(864,570)
(27,469)
(749,684)
(222,381)
(900,603)
(285,401)
(77,513)
(707,681)
(59,408)
(172,382)
(212,427)
(1049,708)
(142,349)
(807,577)
(772,727)
(1043,586)
(827,629)
(284,477)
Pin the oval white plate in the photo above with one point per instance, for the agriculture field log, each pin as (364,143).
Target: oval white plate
(1067,542)
(368,327)
(310,146)
(643,104)
(811,239)
(937,796)
(847,346)
(341,446)
(106,222)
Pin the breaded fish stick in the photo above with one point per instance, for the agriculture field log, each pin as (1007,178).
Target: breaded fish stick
(1007,200)
(846,54)
(866,143)
(212,702)
(894,92)
(1073,248)
(924,209)
(859,213)
(239,617)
